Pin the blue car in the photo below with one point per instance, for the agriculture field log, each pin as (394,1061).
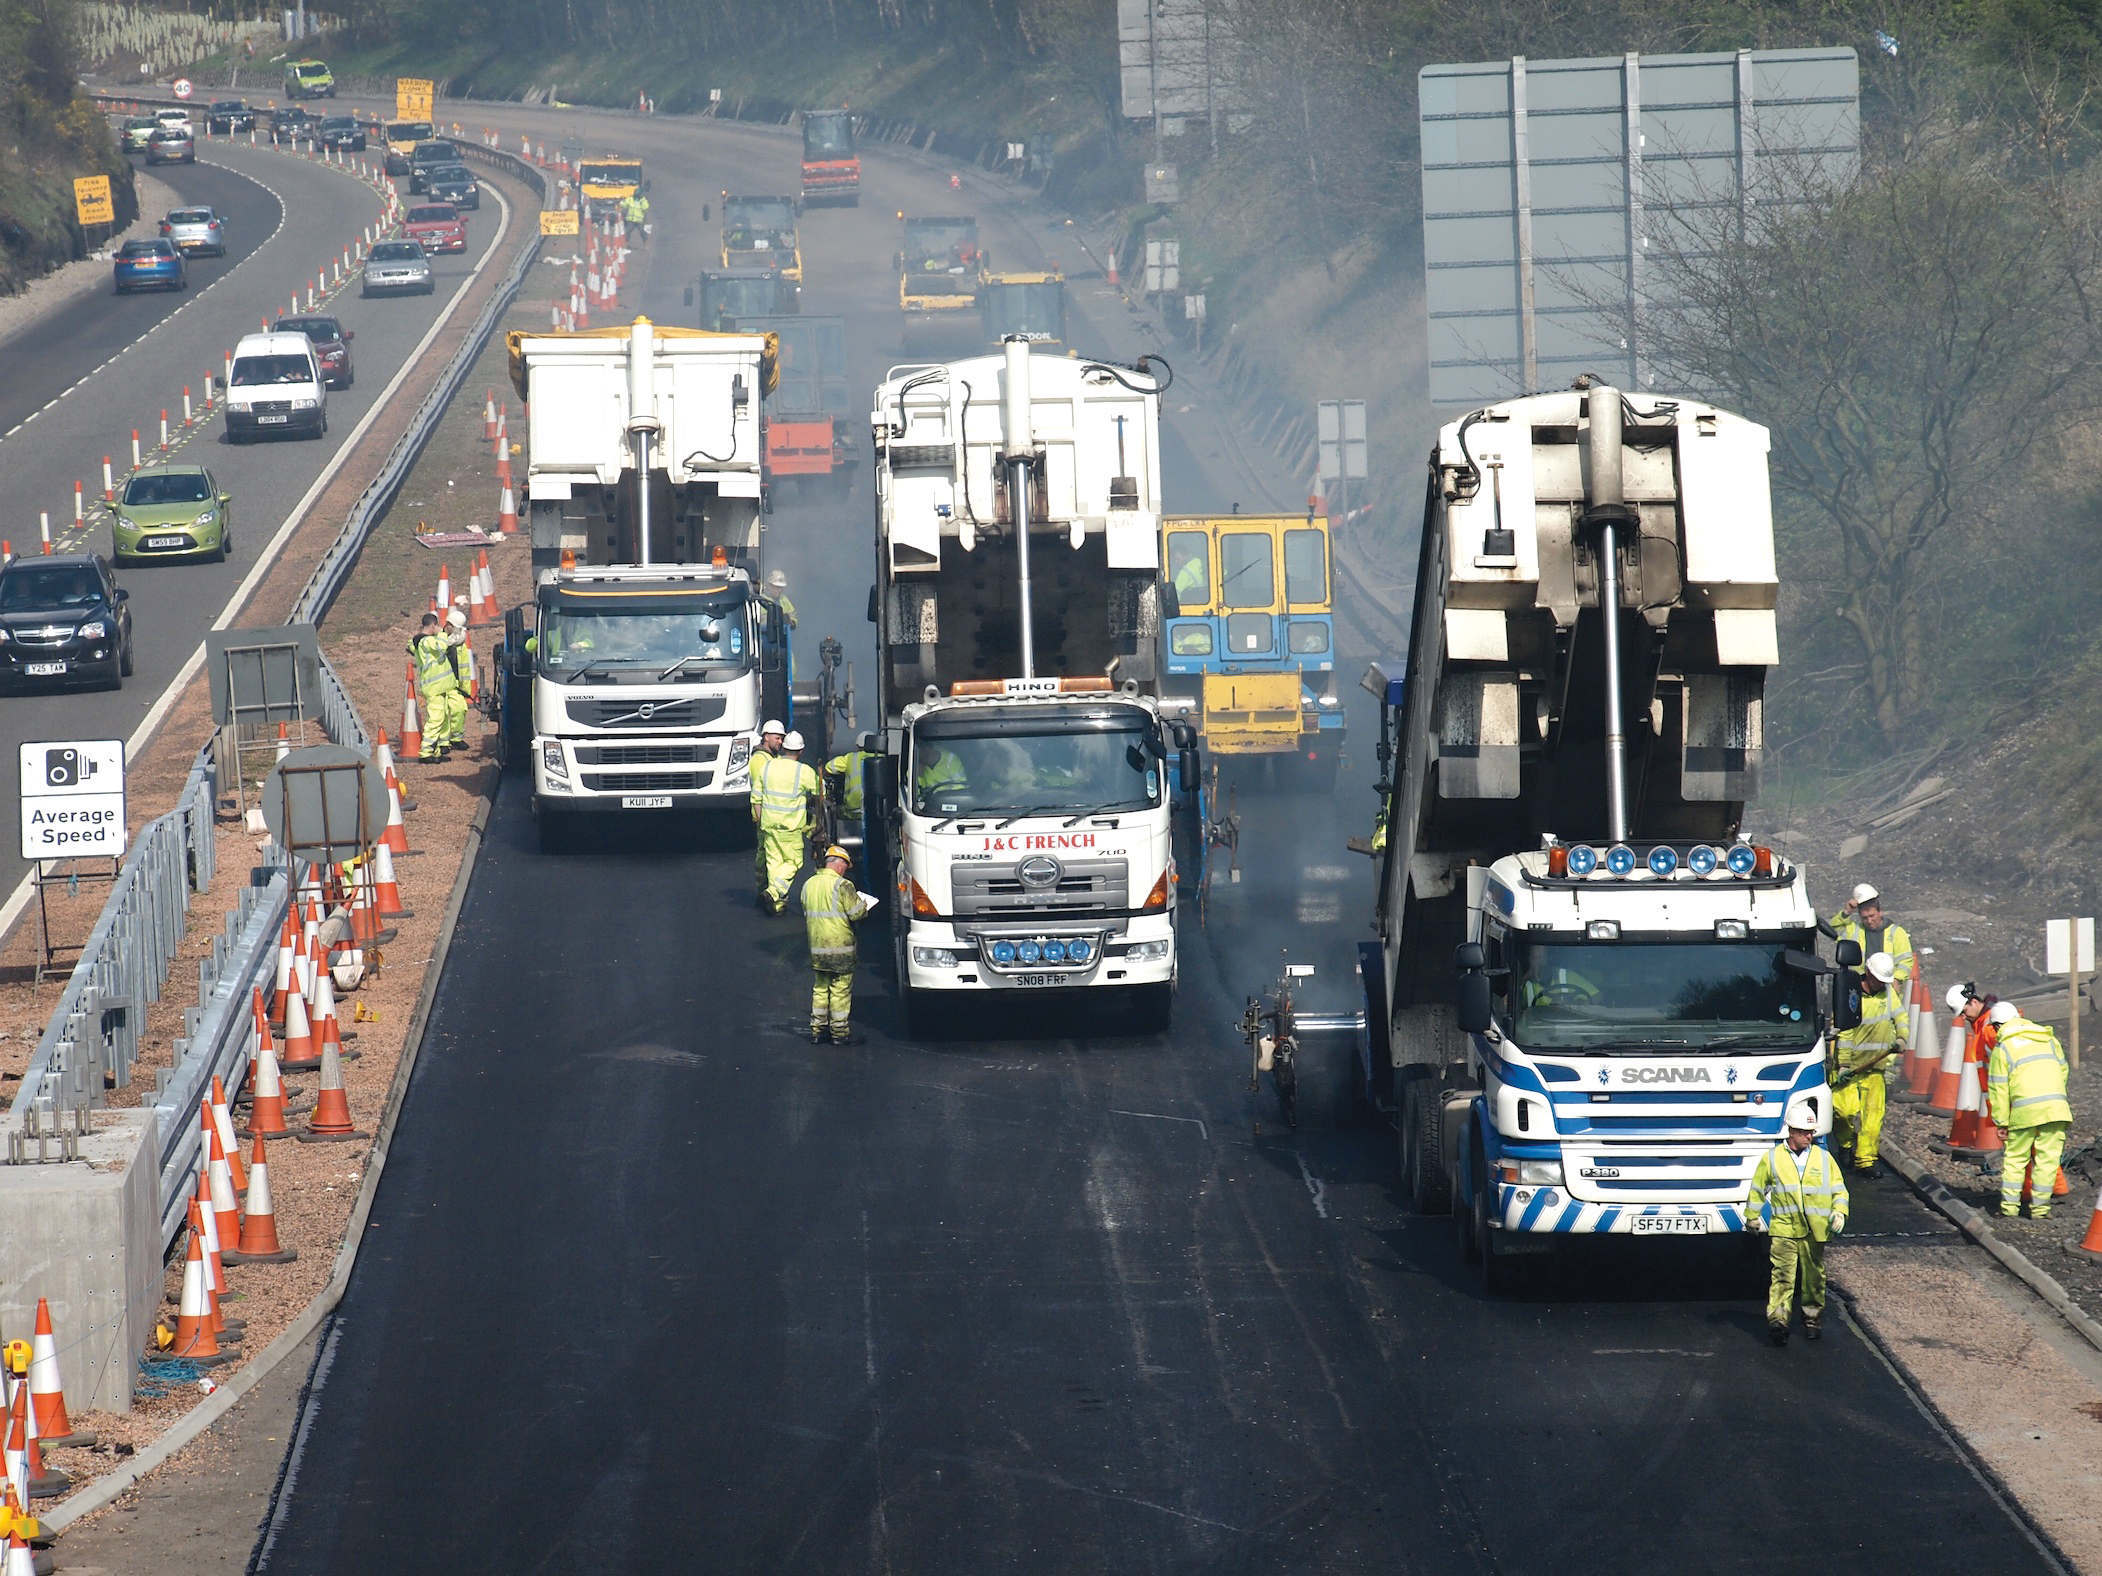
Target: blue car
(151,264)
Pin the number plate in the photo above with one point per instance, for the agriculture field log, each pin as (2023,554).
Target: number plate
(272,421)
(1675,1225)
(43,670)
(1036,979)
(645,801)
(167,541)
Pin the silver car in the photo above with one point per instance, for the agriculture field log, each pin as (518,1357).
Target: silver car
(397,268)
(196,232)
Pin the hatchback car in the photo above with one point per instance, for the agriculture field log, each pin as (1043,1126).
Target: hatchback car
(137,130)
(331,343)
(230,115)
(397,268)
(153,264)
(171,145)
(344,133)
(436,227)
(454,183)
(428,156)
(64,617)
(174,115)
(196,231)
(292,125)
(172,511)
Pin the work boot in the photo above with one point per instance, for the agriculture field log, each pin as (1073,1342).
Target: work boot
(817,1034)
(851,1037)
(1778,1334)
(1813,1329)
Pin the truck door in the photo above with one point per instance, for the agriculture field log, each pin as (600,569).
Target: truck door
(774,699)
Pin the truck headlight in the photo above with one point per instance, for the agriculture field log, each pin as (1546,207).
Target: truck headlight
(1148,951)
(551,758)
(934,957)
(740,756)
(1531,1173)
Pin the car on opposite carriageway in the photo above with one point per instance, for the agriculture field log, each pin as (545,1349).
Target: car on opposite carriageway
(63,617)
(397,268)
(172,511)
(227,116)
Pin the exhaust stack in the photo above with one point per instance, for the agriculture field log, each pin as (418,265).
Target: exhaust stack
(1607,511)
(1021,445)
(643,425)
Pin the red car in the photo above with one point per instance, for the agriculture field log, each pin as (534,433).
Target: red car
(436,227)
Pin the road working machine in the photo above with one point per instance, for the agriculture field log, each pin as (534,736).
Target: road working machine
(638,676)
(606,182)
(831,162)
(1249,647)
(763,233)
(809,434)
(1591,998)
(941,268)
(1022,809)
(1030,304)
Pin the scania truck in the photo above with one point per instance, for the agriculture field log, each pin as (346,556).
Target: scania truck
(1023,807)
(638,676)
(1591,998)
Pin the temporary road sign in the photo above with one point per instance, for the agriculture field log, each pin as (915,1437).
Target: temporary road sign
(72,795)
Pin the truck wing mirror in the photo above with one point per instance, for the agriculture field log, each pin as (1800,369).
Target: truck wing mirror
(1468,958)
(1846,999)
(1474,1014)
(872,604)
(1190,769)
(1805,962)
(1847,954)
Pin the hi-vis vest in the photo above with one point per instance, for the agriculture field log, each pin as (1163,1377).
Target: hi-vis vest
(830,907)
(1799,1195)
(437,668)
(780,787)
(2025,1081)
(1885,1018)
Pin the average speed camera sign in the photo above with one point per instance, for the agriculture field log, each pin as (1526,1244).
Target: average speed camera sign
(73,799)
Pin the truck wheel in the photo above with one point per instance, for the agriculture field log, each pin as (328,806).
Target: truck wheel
(1425,1182)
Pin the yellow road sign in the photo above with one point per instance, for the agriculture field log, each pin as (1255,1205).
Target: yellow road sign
(413,97)
(92,199)
(558,221)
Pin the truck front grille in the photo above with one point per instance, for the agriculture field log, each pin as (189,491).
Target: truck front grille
(1083,887)
(612,711)
(645,782)
(646,754)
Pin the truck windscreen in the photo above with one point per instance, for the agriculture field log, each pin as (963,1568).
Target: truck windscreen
(644,640)
(760,222)
(828,137)
(1640,996)
(1027,309)
(1036,769)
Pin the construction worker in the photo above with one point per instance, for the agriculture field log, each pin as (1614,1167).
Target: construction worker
(848,768)
(782,791)
(939,772)
(1863,1057)
(1865,922)
(830,907)
(1799,1199)
(777,588)
(771,733)
(2025,1095)
(439,683)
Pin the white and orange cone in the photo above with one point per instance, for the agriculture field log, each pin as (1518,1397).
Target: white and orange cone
(193,1321)
(258,1240)
(266,1107)
(442,603)
(507,512)
(301,1054)
(226,1208)
(330,1123)
(285,969)
(411,719)
(47,1391)
(223,1119)
(386,889)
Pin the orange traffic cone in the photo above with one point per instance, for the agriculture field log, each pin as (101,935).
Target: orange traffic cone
(328,1032)
(507,512)
(193,1320)
(488,414)
(226,1209)
(411,721)
(17,1452)
(387,889)
(1920,1084)
(284,740)
(2059,1186)
(21,1559)
(223,1119)
(47,1392)
(1948,1078)
(258,1242)
(44,1483)
(383,753)
(284,969)
(396,835)
(266,1107)
(475,612)
(442,603)
(301,1054)
(330,1123)
(485,579)
(2090,1247)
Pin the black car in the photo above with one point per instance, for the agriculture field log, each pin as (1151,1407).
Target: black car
(230,115)
(344,133)
(453,183)
(64,617)
(293,124)
(427,157)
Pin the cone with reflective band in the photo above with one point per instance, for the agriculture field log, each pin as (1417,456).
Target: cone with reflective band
(47,1392)
(396,836)
(328,1030)
(223,1119)
(17,1453)
(2090,1246)
(226,1207)
(266,1107)
(284,740)
(1921,1084)
(285,967)
(386,888)
(507,512)
(1948,1078)
(193,1320)
(411,721)
(258,1241)
(488,415)
(383,755)
(330,1123)
(301,1054)
(21,1559)
(44,1482)
(442,603)
(214,1266)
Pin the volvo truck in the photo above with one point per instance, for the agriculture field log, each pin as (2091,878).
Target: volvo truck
(1591,997)
(1023,809)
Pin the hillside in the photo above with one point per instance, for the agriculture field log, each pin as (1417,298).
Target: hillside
(53,136)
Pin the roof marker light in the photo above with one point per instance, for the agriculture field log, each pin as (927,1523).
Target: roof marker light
(1742,860)
(1703,860)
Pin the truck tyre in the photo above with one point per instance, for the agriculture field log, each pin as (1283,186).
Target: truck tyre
(1463,1224)
(1425,1182)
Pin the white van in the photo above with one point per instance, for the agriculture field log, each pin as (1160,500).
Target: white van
(277,387)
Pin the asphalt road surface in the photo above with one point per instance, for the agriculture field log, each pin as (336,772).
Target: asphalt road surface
(79,382)
(654,1284)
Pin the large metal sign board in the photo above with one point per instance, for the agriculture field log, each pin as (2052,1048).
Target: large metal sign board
(325,803)
(72,799)
(264,676)
(1339,435)
(1177,58)
(1544,182)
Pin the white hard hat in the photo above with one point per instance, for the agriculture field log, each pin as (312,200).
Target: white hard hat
(1961,996)
(793,742)
(457,618)
(1802,1113)
(771,725)
(2003,1012)
(1865,893)
(777,579)
(1883,966)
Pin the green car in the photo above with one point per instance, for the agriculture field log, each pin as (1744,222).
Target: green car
(173,511)
(137,131)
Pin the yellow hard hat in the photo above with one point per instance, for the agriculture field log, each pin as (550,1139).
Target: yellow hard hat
(837,852)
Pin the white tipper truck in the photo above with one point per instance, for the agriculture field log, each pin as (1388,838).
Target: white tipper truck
(1591,999)
(1023,808)
(637,678)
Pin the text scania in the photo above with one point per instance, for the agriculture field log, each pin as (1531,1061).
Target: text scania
(1653,1075)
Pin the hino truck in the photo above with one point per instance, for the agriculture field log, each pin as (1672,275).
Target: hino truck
(1022,807)
(1591,998)
(638,676)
